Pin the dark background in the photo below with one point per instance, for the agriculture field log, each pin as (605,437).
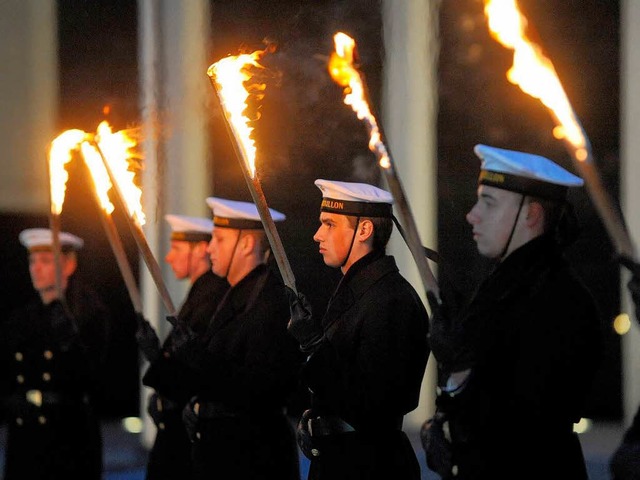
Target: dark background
(305,132)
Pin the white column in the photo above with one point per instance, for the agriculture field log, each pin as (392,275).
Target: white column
(410,101)
(175,90)
(29,83)
(629,191)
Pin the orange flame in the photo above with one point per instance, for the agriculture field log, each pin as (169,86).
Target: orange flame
(100,176)
(60,154)
(117,148)
(230,76)
(533,72)
(346,75)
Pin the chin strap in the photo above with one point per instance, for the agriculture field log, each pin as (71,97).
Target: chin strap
(513,229)
(355,230)
(233,255)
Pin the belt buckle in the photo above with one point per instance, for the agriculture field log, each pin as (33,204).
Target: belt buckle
(34,397)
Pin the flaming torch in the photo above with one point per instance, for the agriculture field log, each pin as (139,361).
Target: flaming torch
(534,73)
(345,74)
(229,77)
(102,185)
(114,148)
(60,154)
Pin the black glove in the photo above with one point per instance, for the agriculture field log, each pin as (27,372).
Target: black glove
(190,419)
(436,446)
(303,435)
(147,339)
(634,283)
(302,326)
(440,340)
(446,338)
(181,335)
(63,328)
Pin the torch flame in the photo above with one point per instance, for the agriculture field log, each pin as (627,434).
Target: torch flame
(99,174)
(117,148)
(59,155)
(346,75)
(533,72)
(230,76)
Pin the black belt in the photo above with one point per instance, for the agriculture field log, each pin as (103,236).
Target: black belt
(328,425)
(208,410)
(163,404)
(333,425)
(211,410)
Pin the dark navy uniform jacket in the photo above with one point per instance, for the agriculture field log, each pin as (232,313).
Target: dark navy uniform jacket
(369,371)
(245,367)
(532,337)
(46,386)
(170,456)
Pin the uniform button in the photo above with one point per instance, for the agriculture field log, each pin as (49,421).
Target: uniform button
(19,421)
(19,356)
(42,420)
(454,470)
(20,378)
(46,376)
(161,425)
(315,452)
(198,435)
(48,354)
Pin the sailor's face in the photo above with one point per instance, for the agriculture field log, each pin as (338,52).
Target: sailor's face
(492,218)
(334,237)
(221,248)
(179,258)
(42,268)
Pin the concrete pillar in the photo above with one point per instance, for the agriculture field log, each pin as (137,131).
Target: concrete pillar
(410,100)
(629,182)
(174,93)
(28,104)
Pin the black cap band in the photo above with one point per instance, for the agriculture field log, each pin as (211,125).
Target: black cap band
(191,236)
(523,185)
(356,209)
(237,223)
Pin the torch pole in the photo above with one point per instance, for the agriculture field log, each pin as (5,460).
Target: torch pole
(54,225)
(255,188)
(387,165)
(582,158)
(141,241)
(385,162)
(121,258)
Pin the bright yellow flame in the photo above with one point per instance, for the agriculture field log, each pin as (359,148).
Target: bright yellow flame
(99,174)
(60,154)
(117,148)
(533,72)
(622,324)
(346,75)
(230,76)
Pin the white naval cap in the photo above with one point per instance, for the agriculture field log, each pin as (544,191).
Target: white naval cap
(189,229)
(357,199)
(239,215)
(41,239)
(524,173)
